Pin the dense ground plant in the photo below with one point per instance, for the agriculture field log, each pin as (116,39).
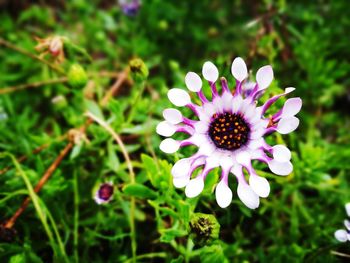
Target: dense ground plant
(83,87)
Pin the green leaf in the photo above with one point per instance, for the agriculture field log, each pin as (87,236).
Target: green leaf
(213,254)
(167,235)
(92,107)
(180,259)
(139,191)
(19,258)
(151,168)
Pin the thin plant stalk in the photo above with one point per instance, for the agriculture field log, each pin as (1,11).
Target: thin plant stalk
(41,214)
(119,141)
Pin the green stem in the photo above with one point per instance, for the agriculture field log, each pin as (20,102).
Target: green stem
(58,237)
(135,101)
(76,216)
(132,229)
(40,212)
(149,255)
(28,54)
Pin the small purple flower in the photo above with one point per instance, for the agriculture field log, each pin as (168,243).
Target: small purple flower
(130,7)
(229,132)
(104,193)
(343,235)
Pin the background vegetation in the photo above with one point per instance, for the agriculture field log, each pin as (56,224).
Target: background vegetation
(307,44)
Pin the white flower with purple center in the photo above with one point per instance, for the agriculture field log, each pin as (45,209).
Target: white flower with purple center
(229,132)
(104,193)
(343,235)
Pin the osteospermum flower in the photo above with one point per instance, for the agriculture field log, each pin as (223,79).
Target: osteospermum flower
(343,235)
(229,133)
(130,7)
(104,193)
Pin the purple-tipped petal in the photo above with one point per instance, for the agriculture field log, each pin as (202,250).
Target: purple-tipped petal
(166,129)
(223,194)
(179,97)
(210,71)
(341,235)
(239,69)
(264,77)
(291,107)
(287,125)
(193,82)
(279,168)
(259,185)
(172,116)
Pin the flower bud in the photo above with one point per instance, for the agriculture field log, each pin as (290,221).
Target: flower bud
(138,69)
(204,229)
(59,102)
(53,45)
(104,193)
(77,77)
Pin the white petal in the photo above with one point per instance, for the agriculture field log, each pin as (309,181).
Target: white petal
(198,139)
(236,103)
(194,187)
(250,112)
(237,170)
(201,127)
(206,149)
(264,77)
(256,143)
(258,133)
(341,235)
(210,71)
(180,182)
(347,224)
(218,104)
(239,69)
(172,116)
(213,160)
(169,145)
(287,125)
(223,194)
(244,106)
(291,107)
(259,185)
(226,161)
(288,90)
(181,168)
(347,208)
(165,128)
(179,97)
(280,168)
(243,158)
(193,82)
(206,112)
(248,196)
(226,101)
(281,153)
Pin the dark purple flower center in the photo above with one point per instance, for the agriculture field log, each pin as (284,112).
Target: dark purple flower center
(229,131)
(105,192)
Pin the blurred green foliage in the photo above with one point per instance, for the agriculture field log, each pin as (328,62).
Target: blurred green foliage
(307,44)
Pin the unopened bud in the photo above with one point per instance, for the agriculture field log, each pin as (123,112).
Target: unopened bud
(138,69)
(59,102)
(54,45)
(77,77)
(104,193)
(204,229)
